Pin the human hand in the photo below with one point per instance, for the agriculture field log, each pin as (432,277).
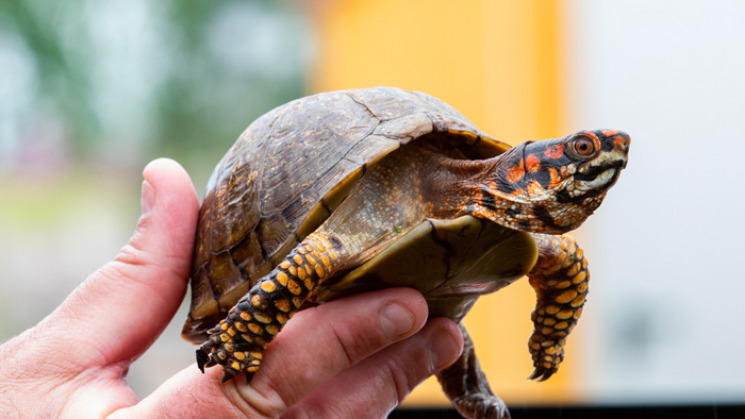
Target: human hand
(354,357)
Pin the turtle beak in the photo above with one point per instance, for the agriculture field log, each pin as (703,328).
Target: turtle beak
(622,141)
(616,145)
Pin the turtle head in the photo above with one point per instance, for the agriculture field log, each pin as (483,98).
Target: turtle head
(552,186)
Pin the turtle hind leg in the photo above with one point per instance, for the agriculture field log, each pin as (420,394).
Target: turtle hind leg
(465,384)
(238,341)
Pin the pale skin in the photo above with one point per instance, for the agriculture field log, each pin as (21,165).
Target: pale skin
(355,357)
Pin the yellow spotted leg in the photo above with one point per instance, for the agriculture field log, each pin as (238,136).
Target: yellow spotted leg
(559,278)
(238,342)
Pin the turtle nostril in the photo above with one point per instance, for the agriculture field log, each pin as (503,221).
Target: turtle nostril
(623,141)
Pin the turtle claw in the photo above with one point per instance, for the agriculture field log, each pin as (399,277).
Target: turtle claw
(228,375)
(541,374)
(202,359)
(235,357)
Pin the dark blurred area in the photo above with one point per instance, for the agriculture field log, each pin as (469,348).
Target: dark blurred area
(589,412)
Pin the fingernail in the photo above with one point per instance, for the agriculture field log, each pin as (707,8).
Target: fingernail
(443,348)
(148,197)
(395,320)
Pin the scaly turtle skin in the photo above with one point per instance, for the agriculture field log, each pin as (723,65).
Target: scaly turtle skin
(328,194)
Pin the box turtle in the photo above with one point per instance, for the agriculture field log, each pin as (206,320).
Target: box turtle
(354,190)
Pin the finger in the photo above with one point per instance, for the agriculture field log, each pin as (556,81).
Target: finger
(379,383)
(341,335)
(315,346)
(120,309)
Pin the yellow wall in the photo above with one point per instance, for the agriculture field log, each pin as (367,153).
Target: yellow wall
(496,61)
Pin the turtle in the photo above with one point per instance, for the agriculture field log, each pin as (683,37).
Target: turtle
(354,190)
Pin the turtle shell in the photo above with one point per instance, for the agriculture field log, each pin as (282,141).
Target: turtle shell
(293,166)
(451,262)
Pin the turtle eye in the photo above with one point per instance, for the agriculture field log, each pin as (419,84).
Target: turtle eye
(584,146)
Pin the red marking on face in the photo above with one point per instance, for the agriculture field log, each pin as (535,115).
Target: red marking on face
(619,141)
(515,173)
(532,162)
(535,188)
(609,133)
(556,177)
(555,151)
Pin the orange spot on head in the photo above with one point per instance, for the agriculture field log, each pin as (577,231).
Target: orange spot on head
(556,177)
(532,162)
(535,188)
(555,151)
(609,132)
(514,174)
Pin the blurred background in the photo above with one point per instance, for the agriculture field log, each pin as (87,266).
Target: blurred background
(90,91)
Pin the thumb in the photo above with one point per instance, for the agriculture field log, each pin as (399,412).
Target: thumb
(121,309)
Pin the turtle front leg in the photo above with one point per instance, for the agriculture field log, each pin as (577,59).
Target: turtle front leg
(465,384)
(238,342)
(559,278)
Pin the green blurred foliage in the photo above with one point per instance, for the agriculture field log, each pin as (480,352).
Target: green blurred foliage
(124,81)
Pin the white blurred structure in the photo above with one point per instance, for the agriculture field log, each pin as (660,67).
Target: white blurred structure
(666,317)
